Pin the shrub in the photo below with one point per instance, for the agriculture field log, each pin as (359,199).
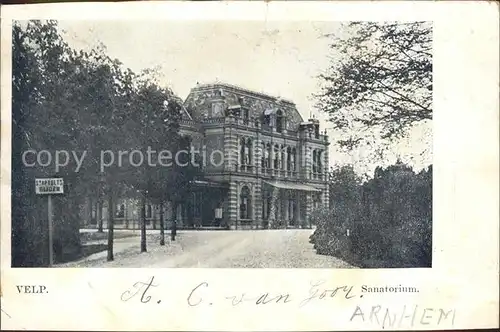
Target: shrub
(278,223)
(389,218)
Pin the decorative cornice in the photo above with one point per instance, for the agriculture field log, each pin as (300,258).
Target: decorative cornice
(242,89)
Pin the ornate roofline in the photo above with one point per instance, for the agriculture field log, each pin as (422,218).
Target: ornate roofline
(241,89)
(183,107)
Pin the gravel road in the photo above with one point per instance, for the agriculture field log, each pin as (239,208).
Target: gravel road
(219,249)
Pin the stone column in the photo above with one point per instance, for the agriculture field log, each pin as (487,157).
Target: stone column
(308,162)
(298,201)
(305,162)
(230,148)
(271,158)
(302,155)
(278,204)
(257,154)
(265,207)
(274,200)
(225,209)
(257,204)
(326,196)
(239,155)
(233,208)
(286,204)
(271,166)
(308,207)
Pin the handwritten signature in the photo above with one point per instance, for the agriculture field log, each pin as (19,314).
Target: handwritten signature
(198,295)
(139,287)
(318,291)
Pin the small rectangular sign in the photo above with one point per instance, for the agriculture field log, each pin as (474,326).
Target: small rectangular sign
(49,186)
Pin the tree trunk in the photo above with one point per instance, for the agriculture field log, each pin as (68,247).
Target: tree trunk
(110,226)
(143,224)
(162,226)
(91,210)
(173,232)
(99,215)
(153,216)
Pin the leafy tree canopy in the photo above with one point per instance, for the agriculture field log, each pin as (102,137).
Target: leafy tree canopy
(380,80)
(69,100)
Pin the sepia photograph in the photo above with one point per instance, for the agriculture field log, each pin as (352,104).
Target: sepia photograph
(249,166)
(222,144)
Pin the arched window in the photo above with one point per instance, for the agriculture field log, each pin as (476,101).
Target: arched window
(263,155)
(317,200)
(245,114)
(266,119)
(320,163)
(263,159)
(242,151)
(266,204)
(292,208)
(276,156)
(245,201)
(279,121)
(283,157)
(288,158)
(268,151)
(314,161)
(248,152)
(256,122)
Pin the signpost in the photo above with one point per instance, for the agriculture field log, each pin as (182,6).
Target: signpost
(49,187)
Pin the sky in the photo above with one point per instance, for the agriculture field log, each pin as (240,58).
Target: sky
(278,58)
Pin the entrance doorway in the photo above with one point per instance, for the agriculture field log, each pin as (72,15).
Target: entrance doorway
(208,200)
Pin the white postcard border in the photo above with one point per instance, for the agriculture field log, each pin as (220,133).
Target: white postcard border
(464,276)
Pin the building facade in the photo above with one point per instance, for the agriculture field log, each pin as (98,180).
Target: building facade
(263,164)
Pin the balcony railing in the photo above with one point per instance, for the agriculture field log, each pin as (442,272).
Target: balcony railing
(313,136)
(249,123)
(317,176)
(232,120)
(214,120)
(246,168)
